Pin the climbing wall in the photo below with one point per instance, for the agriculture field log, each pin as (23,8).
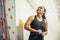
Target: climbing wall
(3,25)
(1,33)
(7,20)
(11,21)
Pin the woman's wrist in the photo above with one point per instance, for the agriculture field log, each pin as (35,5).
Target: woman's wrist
(44,33)
(39,31)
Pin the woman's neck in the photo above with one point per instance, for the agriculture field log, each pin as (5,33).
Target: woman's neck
(39,16)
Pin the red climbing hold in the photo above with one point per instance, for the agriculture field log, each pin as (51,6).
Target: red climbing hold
(9,9)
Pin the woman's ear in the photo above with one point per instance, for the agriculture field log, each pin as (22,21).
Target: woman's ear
(44,12)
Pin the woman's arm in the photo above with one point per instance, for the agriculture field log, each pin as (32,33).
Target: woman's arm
(27,24)
(46,28)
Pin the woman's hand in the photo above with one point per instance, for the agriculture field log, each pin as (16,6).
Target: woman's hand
(39,31)
(43,33)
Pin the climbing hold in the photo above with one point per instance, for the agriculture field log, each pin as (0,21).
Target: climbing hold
(20,23)
(12,7)
(11,17)
(9,9)
(13,32)
(9,27)
(1,36)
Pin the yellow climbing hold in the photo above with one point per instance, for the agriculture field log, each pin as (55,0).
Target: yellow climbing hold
(11,17)
(20,23)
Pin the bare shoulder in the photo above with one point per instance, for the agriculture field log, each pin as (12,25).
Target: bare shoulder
(31,17)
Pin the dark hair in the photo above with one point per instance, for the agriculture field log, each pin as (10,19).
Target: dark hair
(44,11)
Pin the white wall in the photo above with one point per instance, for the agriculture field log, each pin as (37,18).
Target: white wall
(24,10)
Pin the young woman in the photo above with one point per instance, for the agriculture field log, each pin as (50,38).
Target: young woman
(37,25)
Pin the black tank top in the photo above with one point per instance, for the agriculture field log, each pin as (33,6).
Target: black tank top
(36,24)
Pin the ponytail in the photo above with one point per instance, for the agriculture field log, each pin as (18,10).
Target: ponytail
(44,17)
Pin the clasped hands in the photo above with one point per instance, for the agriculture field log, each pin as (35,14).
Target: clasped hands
(40,32)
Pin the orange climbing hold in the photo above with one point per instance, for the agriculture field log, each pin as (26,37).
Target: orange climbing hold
(20,23)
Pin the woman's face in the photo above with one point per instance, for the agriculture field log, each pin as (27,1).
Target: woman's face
(40,10)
